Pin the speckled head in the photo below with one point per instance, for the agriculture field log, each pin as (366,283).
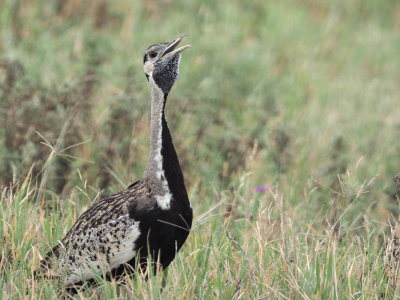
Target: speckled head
(161,62)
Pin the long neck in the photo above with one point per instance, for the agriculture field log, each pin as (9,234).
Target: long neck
(157,111)
(163,160)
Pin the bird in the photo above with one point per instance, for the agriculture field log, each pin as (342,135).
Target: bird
(150,220)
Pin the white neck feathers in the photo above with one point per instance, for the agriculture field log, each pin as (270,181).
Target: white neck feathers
(155,165)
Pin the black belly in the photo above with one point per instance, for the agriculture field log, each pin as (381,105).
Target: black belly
(162,238)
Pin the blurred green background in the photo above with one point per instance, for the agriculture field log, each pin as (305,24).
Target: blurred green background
(307,89)
(298,79)
(302,97)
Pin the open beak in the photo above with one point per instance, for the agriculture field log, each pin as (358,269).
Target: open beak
(170,50)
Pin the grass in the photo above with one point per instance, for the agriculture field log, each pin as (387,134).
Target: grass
(299,96)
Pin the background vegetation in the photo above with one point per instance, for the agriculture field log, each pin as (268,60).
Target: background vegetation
(285,118)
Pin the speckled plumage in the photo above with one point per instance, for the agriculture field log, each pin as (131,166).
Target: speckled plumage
(152,217)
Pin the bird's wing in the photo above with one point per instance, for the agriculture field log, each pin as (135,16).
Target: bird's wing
(103,238)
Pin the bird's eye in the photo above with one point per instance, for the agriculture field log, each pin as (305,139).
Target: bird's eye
(152,54)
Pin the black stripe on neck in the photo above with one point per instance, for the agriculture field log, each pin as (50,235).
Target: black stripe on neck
(165,102)
(171,167)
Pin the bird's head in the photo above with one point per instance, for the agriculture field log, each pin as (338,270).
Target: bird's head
(161,63)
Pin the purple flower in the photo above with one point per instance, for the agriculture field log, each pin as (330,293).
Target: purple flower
(261,188)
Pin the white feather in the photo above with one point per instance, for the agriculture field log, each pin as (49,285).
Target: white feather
(164,202)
